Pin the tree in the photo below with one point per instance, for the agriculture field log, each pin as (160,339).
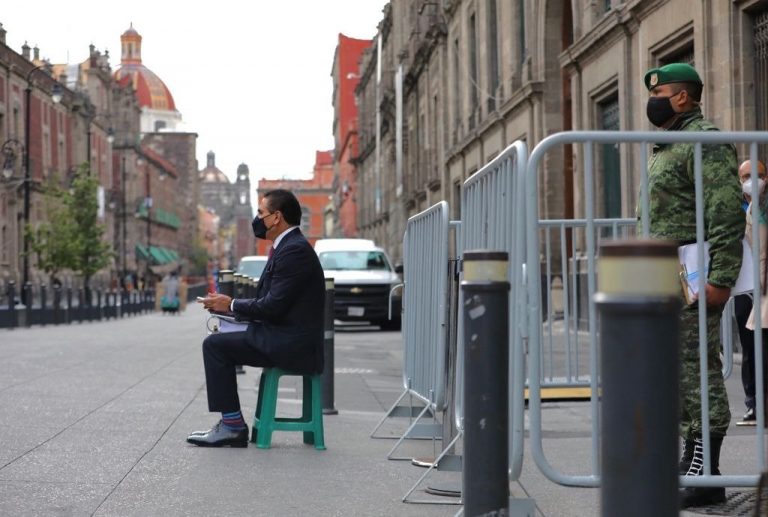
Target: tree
(51,241)
(90,252)
(198,261)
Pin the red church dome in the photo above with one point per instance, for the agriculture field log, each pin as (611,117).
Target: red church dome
(151,91)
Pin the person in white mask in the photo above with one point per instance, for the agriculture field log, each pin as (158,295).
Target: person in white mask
(744,307)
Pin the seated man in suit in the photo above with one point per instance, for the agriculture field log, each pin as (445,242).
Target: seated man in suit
(286,319)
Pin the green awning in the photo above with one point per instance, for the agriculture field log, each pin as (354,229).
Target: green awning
(158,257)
(161,255)
(141,252)
(168,254)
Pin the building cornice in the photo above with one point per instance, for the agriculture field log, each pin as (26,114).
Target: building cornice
(611,28)
(518,100)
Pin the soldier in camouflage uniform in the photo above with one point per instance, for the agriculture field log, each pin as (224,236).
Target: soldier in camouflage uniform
(675,91)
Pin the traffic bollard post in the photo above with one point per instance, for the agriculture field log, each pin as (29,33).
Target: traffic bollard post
(638,301)
(328,345)
(227,282)
(485,482)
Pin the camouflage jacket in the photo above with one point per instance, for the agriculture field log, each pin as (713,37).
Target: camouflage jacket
(672,198)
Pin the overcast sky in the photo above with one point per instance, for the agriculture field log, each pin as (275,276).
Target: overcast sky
(251,78)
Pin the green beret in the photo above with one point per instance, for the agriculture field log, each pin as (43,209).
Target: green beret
(671,73)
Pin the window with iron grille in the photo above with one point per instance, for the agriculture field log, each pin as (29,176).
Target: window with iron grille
(609,121)
(456,92)
(760,45)
(684,54)
(493,55)
(473,96)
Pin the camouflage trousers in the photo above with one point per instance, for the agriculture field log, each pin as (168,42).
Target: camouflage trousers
(690,387)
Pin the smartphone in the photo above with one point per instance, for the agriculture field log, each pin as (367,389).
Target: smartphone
(200,298)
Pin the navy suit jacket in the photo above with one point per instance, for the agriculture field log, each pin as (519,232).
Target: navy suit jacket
(288,308)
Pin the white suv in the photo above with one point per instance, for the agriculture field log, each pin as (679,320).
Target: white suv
(363,277)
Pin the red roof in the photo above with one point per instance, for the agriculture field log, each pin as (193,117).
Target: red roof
(150,90)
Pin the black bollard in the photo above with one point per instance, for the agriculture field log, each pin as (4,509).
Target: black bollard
(99,312)
(227,282)
(57,316)
(328,369)
(639,304)
(70,314)
(12,304)
(81,310)
(45,315)
(121,312)
(486,389)
(28,300)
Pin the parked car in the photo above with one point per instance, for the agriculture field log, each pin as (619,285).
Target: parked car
(363,277)
(252,265)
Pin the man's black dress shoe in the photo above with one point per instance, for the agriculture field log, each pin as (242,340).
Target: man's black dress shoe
(219,436)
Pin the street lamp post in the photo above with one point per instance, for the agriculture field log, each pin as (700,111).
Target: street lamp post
(149,226)
(148,205)
(56,95)
(123,216)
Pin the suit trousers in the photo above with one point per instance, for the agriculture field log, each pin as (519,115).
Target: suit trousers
(221,352)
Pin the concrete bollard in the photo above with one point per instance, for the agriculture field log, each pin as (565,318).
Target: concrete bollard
(485,483)
(638,300)
(328,353)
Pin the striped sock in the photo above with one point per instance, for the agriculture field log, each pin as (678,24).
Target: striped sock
(233,421)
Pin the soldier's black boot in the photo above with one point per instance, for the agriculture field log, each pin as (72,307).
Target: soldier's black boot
(685,460)
(703,496)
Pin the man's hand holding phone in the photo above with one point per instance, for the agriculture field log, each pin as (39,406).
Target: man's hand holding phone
(215,302)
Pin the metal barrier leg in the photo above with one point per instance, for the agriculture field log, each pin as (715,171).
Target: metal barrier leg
(415,430)
(639,332)
(397,410)
(432,466)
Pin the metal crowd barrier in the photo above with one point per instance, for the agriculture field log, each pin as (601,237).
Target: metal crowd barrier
(567,339)
(492,208)
(579,289)
(425,321)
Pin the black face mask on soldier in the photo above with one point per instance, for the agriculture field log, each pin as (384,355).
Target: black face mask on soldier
(260,227)
(659,109)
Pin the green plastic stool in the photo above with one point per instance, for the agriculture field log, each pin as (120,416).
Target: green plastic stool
(311,421)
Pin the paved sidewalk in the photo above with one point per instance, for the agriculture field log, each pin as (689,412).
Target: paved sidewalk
(95,418)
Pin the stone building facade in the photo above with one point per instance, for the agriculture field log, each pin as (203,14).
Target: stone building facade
(60,137)
(479,74)
(99,120)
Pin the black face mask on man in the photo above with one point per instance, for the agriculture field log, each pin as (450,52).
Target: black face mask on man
(659,109)
(260,227)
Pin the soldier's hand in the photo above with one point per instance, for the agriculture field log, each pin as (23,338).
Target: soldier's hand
(717,296)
